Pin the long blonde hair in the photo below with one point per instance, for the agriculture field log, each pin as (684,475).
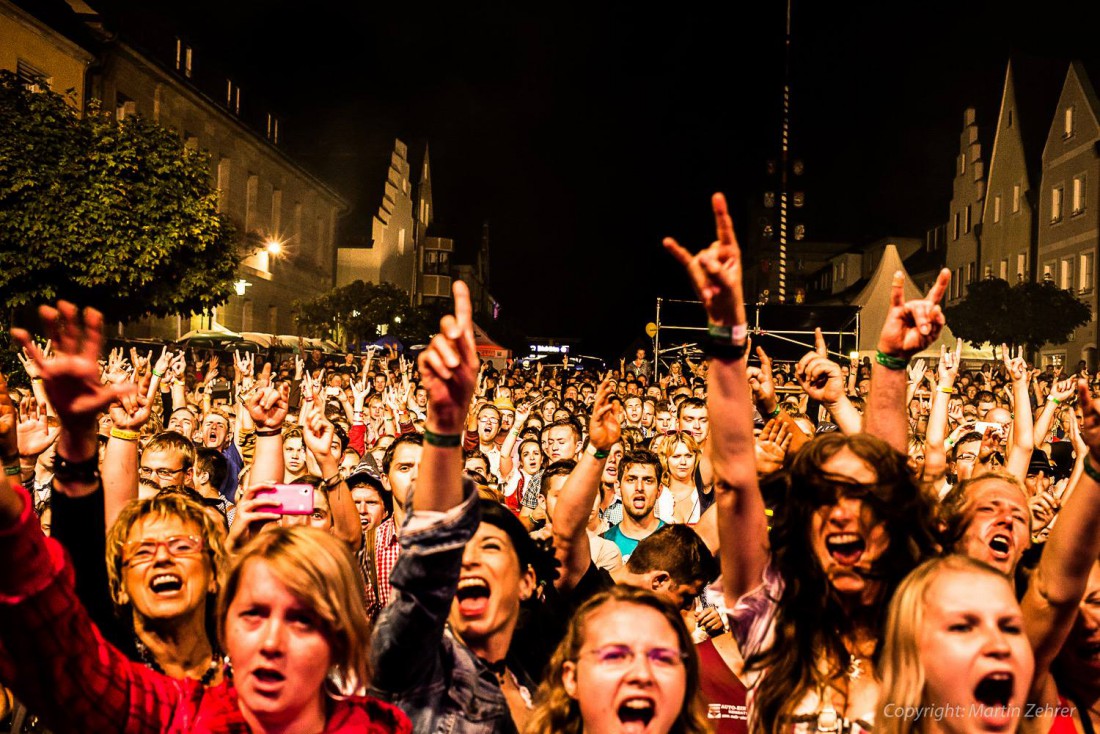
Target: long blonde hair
(903,676)
(318,569)
(556,712)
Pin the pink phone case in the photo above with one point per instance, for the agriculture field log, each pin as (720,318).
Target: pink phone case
(293,499)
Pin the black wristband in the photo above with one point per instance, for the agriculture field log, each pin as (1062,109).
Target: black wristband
(725,352)
(266,432)
(86,471)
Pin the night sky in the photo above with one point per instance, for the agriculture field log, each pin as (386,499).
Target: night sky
(585,133)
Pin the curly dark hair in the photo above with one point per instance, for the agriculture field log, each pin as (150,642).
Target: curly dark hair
(811,620)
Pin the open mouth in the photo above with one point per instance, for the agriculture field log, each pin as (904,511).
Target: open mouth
(1089,651)
(165,583)
(995,690)
(1001,545)
(212,437)
(635,713)
(638,501)
(267,680)
(472,596)
(845,548)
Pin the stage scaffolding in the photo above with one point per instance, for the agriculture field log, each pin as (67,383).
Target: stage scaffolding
(785,331)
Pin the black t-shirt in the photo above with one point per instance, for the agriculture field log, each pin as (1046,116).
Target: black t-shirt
(543,621)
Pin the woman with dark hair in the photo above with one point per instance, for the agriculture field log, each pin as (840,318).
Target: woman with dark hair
(626,658)
(851,526)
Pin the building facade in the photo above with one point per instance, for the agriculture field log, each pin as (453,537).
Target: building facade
(1069,208)
(965,215)
(42,55)
(286,216)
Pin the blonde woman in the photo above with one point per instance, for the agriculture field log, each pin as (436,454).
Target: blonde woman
(626,661)
(955,656)
(680,500)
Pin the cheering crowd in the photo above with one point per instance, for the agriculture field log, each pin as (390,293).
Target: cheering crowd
(897,544)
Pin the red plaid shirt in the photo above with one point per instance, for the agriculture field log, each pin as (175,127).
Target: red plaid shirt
(386,550)
(63,670)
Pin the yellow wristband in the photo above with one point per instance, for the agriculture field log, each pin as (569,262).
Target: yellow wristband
(125,435)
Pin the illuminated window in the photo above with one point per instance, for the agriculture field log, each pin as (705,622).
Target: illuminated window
(1057,196)
(1078,194)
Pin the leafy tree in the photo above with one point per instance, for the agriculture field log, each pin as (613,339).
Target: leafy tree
(361,312)
(1030,314)
(118,215)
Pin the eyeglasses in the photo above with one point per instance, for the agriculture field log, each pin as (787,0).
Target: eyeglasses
(488,421)
(144,471)
(621,657)
(140,552)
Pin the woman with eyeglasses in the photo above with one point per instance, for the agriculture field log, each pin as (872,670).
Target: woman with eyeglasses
(627,663)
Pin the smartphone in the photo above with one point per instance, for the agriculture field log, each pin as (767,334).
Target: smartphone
(293,499)
(332,391)
(982,426)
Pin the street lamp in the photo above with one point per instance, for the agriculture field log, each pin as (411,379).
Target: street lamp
(273,246)
(240,286)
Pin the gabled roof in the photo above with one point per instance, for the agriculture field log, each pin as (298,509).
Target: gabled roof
(1038,84)
(1089,74)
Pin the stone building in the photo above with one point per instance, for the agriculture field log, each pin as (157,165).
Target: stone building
(965,215)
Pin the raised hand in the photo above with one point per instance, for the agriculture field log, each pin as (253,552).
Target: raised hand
(1061,391)
(449,366)
(266,404)
(771,446)
(948,368)
(604,427)
(71,378)
(33,430)
(716,271)
(178,365)
(916,370)
(819,376)
(761,379)
(912,326)
(317,431)
(9,438)
(1015,367)
(253,512)
(1044,506)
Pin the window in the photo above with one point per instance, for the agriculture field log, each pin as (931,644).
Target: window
(966,219)
(1009,118)
(1078,193)
(276,210)
(955,226)
(124,107)
(272,128)
(1048,271)
(1021,266)
(996,208)
(1065,274)
(232,96)
(1085,264)
(31,77)
(437,262)
(1056,199)
(223,184)
(962,163)
(843,271)
(1067,128)
(251,199)
(987,271)
(401,241)
(183,57)
(971,273)
(1003,274)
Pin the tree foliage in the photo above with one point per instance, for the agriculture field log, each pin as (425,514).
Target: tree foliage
(362,312)
(118,215)
(1029,314)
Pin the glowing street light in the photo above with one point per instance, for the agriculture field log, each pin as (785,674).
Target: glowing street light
(273,247)
(240,286)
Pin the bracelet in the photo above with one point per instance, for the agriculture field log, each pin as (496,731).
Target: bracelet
(725,352)
(728,334)
(442,440)
(157,374)
(268,432)
(13,471)
(946,390)
(86,471)
(891,362)
(597,453)
(124,434)
(1092,471)
(1056,401)
(332,481)
(36,379)
(775,412)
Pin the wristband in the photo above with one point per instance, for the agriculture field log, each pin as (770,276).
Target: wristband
(946,390)
(728,334)
(1091,470)
(597,453)
(86,471)
(13,471)
(268,432)
(333,481)
(36,379)
(442,440)
(775,412)
(891,362)
(725,352)
(124,434)
(1056,401)
(157,374)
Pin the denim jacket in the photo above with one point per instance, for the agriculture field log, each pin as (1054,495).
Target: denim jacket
(418,664)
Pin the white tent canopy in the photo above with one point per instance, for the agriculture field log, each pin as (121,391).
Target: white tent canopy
(874,303)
